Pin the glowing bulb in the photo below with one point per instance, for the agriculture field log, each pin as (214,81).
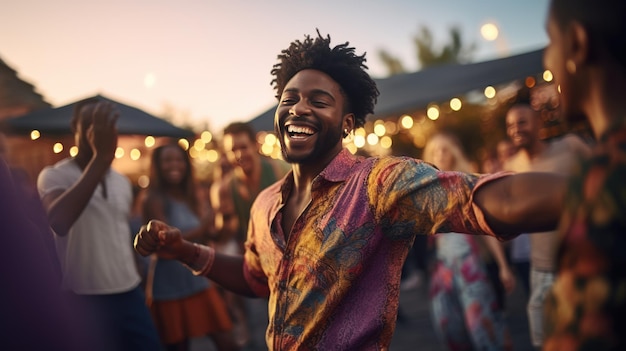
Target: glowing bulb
(135,154)
(372,139)
(34,135)
(455,104)
(149,141)
(359,141)
(380,130)
(184,143)
(385,142)
(267,149)
(74,151)
(198,144)
(206,136)
(212,155)
(406,122)
(433,113)
(547,75)
(270,139)
(57,148)
(490,92)
(119,152)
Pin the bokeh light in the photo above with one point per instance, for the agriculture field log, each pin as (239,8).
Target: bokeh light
(57,148)
(490,92)
(149,141)
(489,31)
(456,104)
(547,75)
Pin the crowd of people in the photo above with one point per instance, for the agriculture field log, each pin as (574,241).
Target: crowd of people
(322,237)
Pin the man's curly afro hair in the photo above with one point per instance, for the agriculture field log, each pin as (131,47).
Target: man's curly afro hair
(340,63)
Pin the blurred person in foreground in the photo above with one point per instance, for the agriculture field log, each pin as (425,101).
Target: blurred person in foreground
(586,307)
(326,243)
(464,306)
(36,315)
(523,125)
(88,206)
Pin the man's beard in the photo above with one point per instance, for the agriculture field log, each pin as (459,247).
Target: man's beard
(322,146)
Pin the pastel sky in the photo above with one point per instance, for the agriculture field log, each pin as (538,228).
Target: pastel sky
(208,61)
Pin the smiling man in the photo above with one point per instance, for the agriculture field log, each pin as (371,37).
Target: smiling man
(523,126)
(326,243)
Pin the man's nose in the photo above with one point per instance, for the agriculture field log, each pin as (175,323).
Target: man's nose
(300,108)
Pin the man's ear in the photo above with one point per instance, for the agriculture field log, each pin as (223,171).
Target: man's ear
(578,42)
(348,124)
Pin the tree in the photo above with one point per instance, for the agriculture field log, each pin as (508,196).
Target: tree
(465,123)
(428,55)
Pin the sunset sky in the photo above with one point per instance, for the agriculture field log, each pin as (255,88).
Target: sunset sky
(208,61)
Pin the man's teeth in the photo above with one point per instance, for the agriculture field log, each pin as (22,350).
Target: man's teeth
(300,130)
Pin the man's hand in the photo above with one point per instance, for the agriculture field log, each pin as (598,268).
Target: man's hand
(102,133)
(508,279)
(159,237)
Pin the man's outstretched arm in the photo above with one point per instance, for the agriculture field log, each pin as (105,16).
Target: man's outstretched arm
(523,202)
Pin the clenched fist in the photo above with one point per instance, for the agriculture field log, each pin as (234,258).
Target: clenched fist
(158,237)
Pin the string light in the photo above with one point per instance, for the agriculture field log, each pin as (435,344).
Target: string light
(456,104)
(406,121)
(206,136)
(149,141)
(57,148)
(119,152)
(433,112)
(547,75)
(490,92)
(184,143)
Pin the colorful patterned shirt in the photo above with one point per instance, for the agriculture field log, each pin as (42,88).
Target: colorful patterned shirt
(586,309)
(333,282)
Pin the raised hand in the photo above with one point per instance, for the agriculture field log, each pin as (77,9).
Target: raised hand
(102,133)
(159,237)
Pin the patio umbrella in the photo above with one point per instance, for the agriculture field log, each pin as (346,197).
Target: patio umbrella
(132,121)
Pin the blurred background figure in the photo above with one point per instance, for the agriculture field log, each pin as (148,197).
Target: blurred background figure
(523,127)
(183,305)
(464,306)
(88,207)
(235,192)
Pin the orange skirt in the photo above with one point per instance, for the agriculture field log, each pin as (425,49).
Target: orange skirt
(194,316)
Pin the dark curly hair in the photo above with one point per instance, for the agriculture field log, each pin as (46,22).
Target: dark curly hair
(340,63)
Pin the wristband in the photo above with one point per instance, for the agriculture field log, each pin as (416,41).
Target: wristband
(202,261)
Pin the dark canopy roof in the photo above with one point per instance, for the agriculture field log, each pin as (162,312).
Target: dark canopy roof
(404,93)
(132,121)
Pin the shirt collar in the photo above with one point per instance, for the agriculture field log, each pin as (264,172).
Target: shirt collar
(337,170)
(340,167)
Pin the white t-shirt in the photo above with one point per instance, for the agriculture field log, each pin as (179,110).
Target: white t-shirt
(96,255)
